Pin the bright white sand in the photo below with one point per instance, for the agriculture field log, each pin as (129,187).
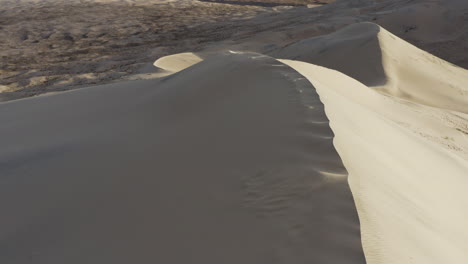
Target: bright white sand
(410,190)
(177,62)
(420,77)
(408,163)
(377,58)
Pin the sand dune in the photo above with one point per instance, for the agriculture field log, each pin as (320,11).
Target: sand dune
(402,138)
(377,58)
(403,141)
(408,162)
(342,50)
(408,185)
(176,170)
(230,157)
(177,62)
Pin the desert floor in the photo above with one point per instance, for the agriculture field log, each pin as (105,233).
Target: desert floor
(48,46)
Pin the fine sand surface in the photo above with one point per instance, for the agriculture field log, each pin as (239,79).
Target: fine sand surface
(403,143)
(406,151)
(410,188)
(239,169)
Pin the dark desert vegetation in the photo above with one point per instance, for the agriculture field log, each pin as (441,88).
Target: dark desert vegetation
(271,3)
(58,45)
(63,43)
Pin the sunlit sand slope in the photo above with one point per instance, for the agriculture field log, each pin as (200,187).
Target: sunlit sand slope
(408,167)
(377,58)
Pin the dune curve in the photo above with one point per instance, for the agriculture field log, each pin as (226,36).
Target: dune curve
(377,58)
(177,62)
(181,169)
(409,189)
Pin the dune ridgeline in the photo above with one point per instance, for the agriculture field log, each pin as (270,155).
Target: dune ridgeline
(343,148)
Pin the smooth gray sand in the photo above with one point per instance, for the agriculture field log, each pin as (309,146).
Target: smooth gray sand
(186,169)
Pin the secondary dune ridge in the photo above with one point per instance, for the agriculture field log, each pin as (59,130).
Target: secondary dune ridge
(379,59)
(247,168)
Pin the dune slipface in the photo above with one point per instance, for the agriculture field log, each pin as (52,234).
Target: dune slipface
(407,166)
(353,50)
(185,169)
(377,58)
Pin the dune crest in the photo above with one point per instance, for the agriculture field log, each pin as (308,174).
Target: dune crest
(379,59)
(409,188)
(399,116)
(403,141)
(238,157)
(183,169)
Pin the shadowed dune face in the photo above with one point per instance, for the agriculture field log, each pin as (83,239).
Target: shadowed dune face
(377,58)
(438,26)
(341,51)
(178,170)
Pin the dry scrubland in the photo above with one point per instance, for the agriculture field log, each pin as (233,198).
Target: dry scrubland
(273,2)
(46,47)
(45,44)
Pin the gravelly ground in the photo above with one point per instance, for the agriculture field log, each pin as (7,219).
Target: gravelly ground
(61,43)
